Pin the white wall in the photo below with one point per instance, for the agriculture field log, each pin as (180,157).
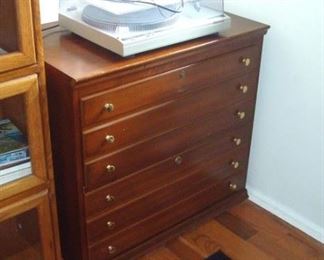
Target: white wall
(49,10)
(286,172)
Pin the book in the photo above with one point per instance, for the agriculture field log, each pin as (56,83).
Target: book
(15,172)
(12,169)
(13,144)
(11,164)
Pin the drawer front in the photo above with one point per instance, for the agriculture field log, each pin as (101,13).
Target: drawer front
(197,178)
(116,194)
(136,95)
(169,115)
(135,158)
(147,228)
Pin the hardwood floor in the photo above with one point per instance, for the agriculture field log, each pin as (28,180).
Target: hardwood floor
(245,232)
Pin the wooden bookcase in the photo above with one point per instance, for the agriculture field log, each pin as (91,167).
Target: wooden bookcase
(28,221)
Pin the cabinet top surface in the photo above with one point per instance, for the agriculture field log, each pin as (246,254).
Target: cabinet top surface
(82,60)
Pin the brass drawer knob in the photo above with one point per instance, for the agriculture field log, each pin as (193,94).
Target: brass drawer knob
(182,74)
(110,168)
(110,138)
(112,250)
(178,160)
(246,62)
(109,107)
(111,225)
(235,164)
(237,141)
(233,186)
(244,88)
(240,114)
(110,198)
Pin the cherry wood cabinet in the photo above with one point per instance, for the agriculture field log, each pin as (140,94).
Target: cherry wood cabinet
(28,215)
(146,145)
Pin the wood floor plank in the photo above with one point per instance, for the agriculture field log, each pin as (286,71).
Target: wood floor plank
(310,242)
(161,253)
(270,245)
(245,232)
(257,218)
(232,245)
(265,222)
(205,243)
(184,249)
(299,248)
(240,227)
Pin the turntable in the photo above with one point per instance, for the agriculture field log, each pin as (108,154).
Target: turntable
(127,27)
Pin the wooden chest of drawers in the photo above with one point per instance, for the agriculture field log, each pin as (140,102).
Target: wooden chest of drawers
(145,145)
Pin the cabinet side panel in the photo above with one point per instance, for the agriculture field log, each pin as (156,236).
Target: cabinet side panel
(61,113)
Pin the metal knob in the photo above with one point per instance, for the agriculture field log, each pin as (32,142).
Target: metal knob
(233,186)
(182,74)
(178,160)
(111,225)
(246,62)
(244,88)
(110,198)
(110,168)
(235,164)
(240,114)
(237,141)
(112,250)
(109,107)
(110,138)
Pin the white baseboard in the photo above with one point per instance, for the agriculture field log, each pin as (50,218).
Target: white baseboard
(287,214)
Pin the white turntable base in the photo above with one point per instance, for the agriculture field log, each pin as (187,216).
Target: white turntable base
(178,32)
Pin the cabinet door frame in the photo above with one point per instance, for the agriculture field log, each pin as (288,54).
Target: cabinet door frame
(40,202)
(25,55)
(28,87)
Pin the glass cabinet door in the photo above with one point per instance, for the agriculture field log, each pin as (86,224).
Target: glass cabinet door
(24,229)
(22,161)
(16,34)
(20,237)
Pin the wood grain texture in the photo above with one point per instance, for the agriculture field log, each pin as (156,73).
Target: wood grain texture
(139,208)
(166,172)
(39,51)
(236,225)
(186,250)
(168,217)
(170,85)
(171,114)
(131,160)
(282,236)
(161,254)
(225,232)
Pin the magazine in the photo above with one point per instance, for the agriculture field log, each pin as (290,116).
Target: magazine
(13,144)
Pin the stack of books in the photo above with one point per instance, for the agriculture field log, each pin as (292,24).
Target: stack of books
(14,153)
